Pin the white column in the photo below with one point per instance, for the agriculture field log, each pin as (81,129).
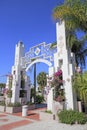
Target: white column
(50,100)
(16,72)
(64,55)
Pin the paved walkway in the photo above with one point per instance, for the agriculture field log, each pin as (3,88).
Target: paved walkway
(33,122)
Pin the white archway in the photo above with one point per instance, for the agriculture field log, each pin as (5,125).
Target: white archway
(47,54)
(39,60)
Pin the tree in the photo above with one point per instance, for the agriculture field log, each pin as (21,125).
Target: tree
(34,67)
(80,86)
(35,83)
(42,80)
(80,51)
(57,82)
(2,85)
(74,13)
(32,93)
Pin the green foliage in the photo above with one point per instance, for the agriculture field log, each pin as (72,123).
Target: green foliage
(16,104)
(57,82)
(22,80)
(71,117)
(10,104)
(2,85)
(10,83)
(74,13)
(29,103)
(2,103)
(80,86)
(9,93)
(42,80)
(53,45)
(32,93)
(22,93)
(39,99)
(48,111)
(22,83)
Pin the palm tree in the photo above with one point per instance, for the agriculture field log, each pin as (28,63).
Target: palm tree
(35,83)
(74,12)
(80,86)
(80,51)
(42,80)
(75,16)
(2,86)
(34,67)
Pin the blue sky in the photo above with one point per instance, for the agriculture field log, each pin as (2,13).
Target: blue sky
(30,21)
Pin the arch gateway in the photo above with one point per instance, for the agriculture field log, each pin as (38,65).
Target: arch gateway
(59,57)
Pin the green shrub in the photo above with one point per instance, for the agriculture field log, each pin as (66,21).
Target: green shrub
(81,118)
(9,93)
(48,111)
(39,99)
(71,117)
(29,103)
(2,103)
(10,104)
(16,104)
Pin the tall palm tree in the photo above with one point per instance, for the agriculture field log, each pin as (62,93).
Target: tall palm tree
(80,52)
(42,80)
(74,12)
(34,67)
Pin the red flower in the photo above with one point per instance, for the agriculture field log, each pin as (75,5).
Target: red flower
(58,73)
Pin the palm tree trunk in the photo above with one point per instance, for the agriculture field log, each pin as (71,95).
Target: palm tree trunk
(35,83)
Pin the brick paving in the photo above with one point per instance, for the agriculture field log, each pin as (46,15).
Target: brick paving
(2,115)
(14,125)
(31,115)
(32,122)
(15,120)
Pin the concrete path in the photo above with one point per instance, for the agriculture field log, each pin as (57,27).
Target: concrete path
(51,125)
(33,122)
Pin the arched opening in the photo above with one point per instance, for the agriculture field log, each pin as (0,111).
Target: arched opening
(37,66)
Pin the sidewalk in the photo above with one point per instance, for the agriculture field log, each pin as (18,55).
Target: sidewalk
(33,122)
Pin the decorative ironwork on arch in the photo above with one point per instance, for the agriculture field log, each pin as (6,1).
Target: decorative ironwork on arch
(42,51)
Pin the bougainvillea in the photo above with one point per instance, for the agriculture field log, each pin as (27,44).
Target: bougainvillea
(58,73)
(57,79)
(57,82)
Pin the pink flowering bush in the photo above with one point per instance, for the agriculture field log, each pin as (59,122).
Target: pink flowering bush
(56,83)
(5,90)
(58,73)
(57,79)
